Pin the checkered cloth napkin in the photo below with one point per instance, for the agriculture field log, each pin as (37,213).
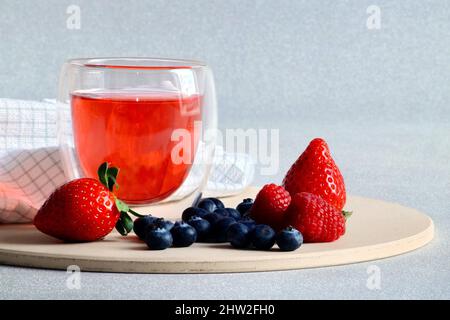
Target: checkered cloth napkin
(31,168)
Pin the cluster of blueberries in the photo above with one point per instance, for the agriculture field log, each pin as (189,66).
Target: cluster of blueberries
(210,221)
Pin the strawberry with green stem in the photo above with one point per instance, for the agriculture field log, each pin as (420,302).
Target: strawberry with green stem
(85,209)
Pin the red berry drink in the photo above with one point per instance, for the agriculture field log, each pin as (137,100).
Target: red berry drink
(133,130)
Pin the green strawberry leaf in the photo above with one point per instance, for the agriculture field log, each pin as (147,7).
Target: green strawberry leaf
(102,174)
(126,221)
(111,176)
(120,227)
(108,177)
(112,172)
(121,206)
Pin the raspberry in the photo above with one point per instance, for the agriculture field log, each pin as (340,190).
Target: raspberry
(270,206)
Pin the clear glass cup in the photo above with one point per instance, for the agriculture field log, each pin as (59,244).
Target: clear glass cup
(154,119)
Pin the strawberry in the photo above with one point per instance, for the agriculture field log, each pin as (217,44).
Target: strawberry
(316,172)
(84,209)
(270,205)
(316,219)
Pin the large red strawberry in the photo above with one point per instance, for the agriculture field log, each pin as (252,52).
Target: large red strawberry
(316,219)
(270,205)
(316,172)
(84,209)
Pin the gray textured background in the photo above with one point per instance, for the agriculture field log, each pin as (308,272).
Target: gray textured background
(310,68)
(308,59)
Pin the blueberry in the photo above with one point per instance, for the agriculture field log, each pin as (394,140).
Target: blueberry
(183,234)
(212,218)
(219,204)
(140,225)
(238,235)
(220,229)
(166,224)
(191,211)
(249,222)
(210,204)
(202,226)
(233,213)
(207,205)
(244,206)
(228,212)
(263,237)
(158,238)
(222,212)
(289,239)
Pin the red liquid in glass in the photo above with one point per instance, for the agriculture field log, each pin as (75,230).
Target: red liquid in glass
(133,131)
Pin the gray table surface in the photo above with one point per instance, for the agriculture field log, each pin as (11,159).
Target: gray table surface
(403,162)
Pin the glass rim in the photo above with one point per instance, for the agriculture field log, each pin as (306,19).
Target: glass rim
(136,63)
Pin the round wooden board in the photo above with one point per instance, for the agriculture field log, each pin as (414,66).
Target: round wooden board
(376,230)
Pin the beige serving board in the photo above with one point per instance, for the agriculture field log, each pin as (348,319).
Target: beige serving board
(376,230)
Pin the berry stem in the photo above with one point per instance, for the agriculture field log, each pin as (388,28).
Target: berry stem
(134,213)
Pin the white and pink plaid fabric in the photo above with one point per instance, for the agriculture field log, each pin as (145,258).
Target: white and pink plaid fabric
(31,168)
